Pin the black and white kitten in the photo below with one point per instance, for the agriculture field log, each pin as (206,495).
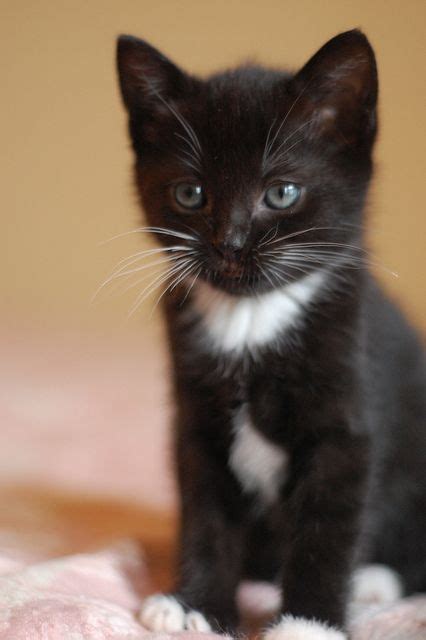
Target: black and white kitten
(301,415)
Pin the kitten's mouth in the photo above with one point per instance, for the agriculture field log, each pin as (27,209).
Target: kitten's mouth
(242,279)
(233,271)
(236,279)
(229,275)
(244,275)
(229,284)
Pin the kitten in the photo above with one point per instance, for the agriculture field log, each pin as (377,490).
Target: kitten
(301,415)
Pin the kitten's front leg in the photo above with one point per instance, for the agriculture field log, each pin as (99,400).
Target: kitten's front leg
(210,548)
(326,507)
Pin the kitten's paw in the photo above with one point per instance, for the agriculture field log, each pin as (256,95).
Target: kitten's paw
(375,584)
(164,613)
(291,628)
(195,621)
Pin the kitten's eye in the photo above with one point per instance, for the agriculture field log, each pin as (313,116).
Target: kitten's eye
(282,195)
(189,196)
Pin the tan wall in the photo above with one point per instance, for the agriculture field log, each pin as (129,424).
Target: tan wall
(65,158)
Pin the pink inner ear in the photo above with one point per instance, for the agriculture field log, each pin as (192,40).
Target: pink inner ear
(325,118)
(326,115)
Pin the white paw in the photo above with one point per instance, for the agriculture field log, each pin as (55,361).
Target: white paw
(375,584)
(290,628)
(195,621)
(162,613)
(258,599)
(165,613)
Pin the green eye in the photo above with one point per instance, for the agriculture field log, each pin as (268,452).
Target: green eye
(282,196)
(189,195)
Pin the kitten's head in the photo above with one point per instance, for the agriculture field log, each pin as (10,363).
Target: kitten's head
(258,175)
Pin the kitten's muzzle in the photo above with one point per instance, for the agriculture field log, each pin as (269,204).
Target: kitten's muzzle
(231,269)
(230,250)
(228,262)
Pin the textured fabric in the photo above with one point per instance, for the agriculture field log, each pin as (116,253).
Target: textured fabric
(97,596)
(82,597)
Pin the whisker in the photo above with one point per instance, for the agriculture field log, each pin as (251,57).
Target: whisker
(124,271)
(160,230)
(192,140)
(282,277)
(134,257)
(326,260)
(311,251)
(188,163)
(188,291)
(162,275)
(129,272)
(192,154)
(174,283)
(284,120)
(324,244)
(303,231)
(263,240)
(279,276)
(267,147)
(273,158)
(290,235)
(170,232)
(264,272)
(292,265)
(325,255)
(118,289)
(183,122)
(158,281)
(159,272)
(346,245)
(365,258)
(182,276)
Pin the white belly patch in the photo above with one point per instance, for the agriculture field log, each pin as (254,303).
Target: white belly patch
(258,464)
(236,323)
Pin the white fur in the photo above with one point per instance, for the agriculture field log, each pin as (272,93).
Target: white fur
(376,584)
(258,464)
(195,621)
(165,613)
(290,628)
(162,613)
(236,323)
(258,599)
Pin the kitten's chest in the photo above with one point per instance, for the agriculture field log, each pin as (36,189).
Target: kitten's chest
(259,464)
(239,325)
(259,454)
(240,335)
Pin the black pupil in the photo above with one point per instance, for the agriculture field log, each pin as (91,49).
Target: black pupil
(285,190)
(191,193)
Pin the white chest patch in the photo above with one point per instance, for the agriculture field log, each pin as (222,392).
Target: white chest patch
(259,465)
(236,323)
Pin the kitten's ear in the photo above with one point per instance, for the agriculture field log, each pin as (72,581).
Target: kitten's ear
(145,74)
(339,87)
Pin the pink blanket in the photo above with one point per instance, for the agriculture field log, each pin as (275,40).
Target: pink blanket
(97,596)
(90,420)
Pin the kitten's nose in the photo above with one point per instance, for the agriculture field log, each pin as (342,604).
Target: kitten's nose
(233,243)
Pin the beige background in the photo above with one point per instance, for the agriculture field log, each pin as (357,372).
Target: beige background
(65,158)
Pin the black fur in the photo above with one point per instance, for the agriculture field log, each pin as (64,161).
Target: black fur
(344,392)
